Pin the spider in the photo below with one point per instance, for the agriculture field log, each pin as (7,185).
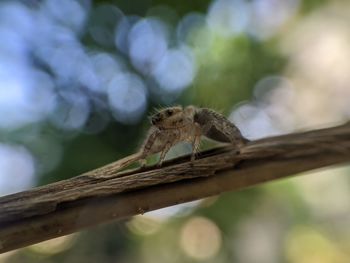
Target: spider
(177,124)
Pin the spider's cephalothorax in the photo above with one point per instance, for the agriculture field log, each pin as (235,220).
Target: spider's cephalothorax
(172,118)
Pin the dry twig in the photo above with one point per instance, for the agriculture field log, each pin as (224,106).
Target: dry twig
(105,194)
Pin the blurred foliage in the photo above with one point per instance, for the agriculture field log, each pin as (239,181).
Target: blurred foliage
(264,224)
(142,6)
(309,6)
(222,69)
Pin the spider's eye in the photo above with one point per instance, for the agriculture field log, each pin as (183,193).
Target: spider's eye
(169,112)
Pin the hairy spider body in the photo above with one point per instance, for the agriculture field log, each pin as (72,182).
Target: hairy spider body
(177,124)
(217,127)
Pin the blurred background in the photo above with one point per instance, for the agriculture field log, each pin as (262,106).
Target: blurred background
(79,78)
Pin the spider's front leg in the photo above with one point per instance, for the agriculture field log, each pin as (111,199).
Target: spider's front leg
(156,141)
(196,140)
(165,139)
(163,154)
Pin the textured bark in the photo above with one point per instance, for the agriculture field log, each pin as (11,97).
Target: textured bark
(105,194)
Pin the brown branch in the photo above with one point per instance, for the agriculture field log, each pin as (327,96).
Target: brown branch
(104,195)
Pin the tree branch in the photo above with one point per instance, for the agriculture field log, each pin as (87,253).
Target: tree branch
(105,194)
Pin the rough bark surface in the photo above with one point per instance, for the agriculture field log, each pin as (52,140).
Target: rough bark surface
(105,194)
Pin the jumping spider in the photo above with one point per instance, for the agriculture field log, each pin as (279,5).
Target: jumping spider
(177,124)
